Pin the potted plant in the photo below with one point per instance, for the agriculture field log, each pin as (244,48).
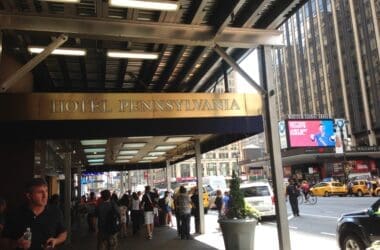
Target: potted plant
(239,221)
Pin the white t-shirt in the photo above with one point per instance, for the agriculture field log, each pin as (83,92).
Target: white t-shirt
(135,204)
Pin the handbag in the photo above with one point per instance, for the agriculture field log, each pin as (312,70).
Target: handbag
(155,211)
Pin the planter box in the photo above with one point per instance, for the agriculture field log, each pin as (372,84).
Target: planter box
(238,234)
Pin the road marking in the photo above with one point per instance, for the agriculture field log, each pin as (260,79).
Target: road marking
(290,217)
(330,234)
(293,227)
(320,216)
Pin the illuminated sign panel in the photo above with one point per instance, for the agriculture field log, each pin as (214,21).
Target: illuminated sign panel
(311,133)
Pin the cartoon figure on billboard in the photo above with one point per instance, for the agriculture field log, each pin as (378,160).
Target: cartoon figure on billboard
(325,137)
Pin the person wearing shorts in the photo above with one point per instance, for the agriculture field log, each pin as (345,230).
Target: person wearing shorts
(148,205)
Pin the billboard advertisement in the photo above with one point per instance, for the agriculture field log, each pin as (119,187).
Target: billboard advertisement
(311,133)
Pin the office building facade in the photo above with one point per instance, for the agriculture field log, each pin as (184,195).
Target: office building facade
(329,68)
(330,65)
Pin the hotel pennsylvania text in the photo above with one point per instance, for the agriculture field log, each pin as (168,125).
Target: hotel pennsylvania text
(124,105)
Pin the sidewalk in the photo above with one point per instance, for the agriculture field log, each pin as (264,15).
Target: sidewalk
(163,238)
(166,238)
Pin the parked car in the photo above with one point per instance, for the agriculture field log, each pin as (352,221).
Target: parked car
(260,195)
(359,188)
(329,188)
(359,230)
(377,191)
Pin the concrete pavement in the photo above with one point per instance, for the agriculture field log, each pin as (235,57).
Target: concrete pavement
(166,238)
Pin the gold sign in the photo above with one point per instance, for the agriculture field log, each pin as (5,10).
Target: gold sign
(79,106)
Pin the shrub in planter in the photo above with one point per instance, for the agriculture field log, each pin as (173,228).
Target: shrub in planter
(239,221)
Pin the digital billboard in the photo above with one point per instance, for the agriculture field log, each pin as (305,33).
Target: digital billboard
(311,133)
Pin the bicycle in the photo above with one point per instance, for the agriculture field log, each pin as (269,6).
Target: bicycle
(309,199)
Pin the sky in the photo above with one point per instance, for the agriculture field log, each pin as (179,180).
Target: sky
(251,67)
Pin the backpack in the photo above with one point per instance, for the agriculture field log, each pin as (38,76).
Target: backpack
(113,223)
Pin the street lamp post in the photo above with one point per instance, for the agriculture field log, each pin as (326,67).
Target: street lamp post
(346,169)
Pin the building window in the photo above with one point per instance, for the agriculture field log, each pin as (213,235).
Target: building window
(185,170)
(211,168)
(210,156)
(223,155)
(225,168)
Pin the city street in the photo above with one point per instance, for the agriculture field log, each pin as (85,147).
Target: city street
(314,229)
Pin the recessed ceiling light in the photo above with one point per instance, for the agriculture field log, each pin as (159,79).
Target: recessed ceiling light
(150,157)
(178,139)
(156,153)
(132,55)
(95,156)
(93,142)
(165,147)
(61,1)
(94,150)
(62,51)
(148,5)
(144,161)
(122,161)
(139,137)
(121,157)
(134,145)
(95,164)
(95,160)
(128,152)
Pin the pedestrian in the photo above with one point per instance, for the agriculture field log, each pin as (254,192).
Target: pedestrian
(195,210)
(226,200)
(176,213)
(3,207)
(349,186)
(148,205)
(219,202)
(168,209)
(91,218)
(123,206)
(183,204)
(293,193)
(35,225)
(105,212)
(305,189)
(135,213)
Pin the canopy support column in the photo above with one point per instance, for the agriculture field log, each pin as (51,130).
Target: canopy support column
(200,186)
(122,189)
(168,175)
(272,137)
(67,205)
(79,173)
(129,180)
(273,145)
(1,43)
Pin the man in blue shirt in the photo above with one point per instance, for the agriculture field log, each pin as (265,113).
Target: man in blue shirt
(322,138)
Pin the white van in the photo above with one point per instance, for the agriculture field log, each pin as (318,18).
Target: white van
(215,182)
(260,195)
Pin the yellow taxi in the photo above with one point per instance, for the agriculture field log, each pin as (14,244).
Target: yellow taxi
(377,191)
(206,198)
(359,188)
(329,188)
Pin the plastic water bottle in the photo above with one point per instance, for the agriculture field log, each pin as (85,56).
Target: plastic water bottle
(28,234)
